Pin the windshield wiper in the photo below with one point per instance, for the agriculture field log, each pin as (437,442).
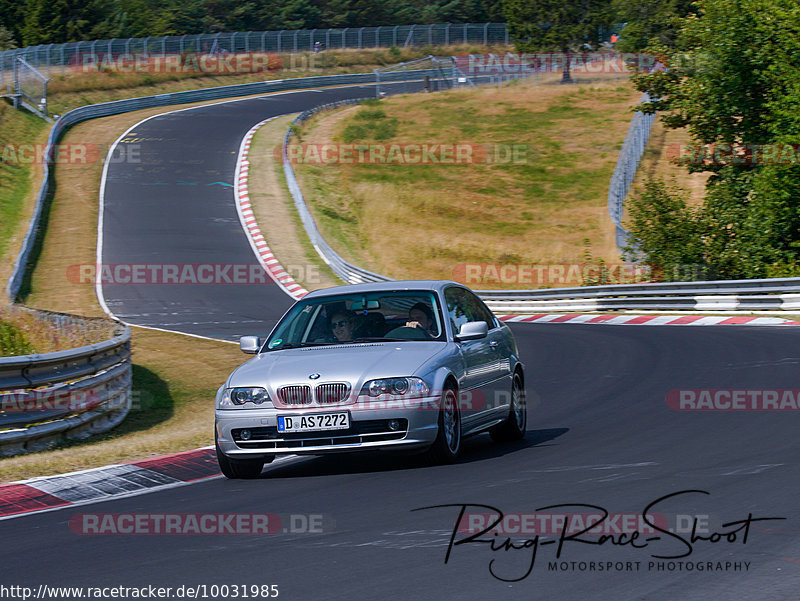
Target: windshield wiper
(377,339)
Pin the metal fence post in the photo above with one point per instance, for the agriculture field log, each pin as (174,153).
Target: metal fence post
(296,31)
(486,34)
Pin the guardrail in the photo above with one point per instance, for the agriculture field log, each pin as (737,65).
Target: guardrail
(779,294)
(134,104)
(65,395)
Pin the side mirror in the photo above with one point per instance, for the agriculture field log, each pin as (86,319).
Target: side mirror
(249,344)
(472,330)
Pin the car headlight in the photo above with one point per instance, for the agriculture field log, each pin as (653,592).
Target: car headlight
(233,398)
(409,387)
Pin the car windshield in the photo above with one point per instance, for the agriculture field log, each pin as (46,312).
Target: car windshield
(360,318)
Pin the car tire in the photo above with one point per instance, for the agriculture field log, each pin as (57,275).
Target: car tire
(238,468)
(514,427)
(447,445)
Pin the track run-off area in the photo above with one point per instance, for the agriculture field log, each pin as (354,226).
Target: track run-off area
(605,433)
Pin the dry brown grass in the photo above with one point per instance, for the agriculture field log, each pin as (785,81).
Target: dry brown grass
(423,221)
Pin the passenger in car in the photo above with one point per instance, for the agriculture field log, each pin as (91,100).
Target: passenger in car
(421,316)
(342,324)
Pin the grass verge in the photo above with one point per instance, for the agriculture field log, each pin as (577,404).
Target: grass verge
(20,176)
(539,206)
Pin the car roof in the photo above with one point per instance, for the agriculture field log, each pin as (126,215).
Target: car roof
(391,285)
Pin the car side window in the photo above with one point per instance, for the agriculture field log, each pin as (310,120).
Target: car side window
(456,308)
(478,311)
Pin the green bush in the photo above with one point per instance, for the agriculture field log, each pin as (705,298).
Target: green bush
(668,234)
(370,114)
(12,342)
(353,133)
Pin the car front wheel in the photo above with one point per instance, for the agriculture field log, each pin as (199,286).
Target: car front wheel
(447,445)
(238,468)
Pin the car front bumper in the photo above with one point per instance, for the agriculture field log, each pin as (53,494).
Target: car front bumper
(421,417)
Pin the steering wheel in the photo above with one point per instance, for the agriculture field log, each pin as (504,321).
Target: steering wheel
(407,333)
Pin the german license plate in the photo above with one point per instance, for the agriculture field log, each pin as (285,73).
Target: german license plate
(314,422)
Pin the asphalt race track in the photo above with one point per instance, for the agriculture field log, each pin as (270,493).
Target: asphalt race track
(173,204)
(600,433)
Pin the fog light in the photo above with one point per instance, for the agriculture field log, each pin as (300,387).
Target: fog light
(394,424)
(246,434)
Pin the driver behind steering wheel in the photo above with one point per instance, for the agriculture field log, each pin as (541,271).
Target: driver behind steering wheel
(420,316)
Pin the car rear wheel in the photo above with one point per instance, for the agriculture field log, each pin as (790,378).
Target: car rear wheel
(516,422)
(447,445)
(238,468)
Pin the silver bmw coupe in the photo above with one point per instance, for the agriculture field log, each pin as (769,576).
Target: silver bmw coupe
(390,366)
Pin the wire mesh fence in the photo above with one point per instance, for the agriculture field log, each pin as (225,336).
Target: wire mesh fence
(625,171)
(59,58)
(30,86)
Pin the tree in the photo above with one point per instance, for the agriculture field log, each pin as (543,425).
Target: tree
(557,25)
(647,22)
(668,234)
(6,39)
(733,80)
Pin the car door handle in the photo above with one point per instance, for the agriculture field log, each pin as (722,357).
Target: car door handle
(493,344)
